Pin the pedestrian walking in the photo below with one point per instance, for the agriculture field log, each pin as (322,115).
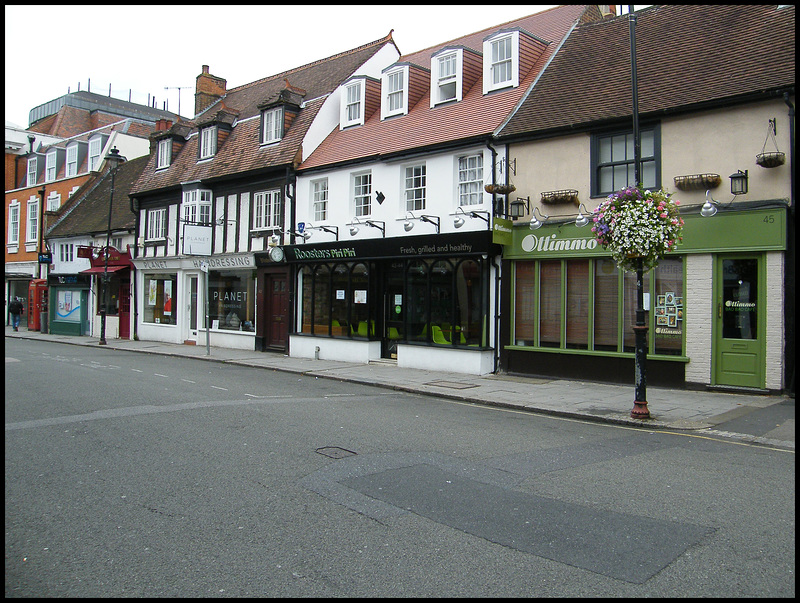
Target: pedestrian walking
(16,309)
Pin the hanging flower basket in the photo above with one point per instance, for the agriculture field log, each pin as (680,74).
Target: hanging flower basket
(563,196)
(500,189)
(633,224)
(770,160)
(697,182)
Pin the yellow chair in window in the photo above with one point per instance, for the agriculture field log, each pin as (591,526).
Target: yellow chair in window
(362,328)
(438,336)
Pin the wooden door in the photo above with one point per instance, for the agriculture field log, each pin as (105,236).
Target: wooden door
(277,317)
(125,310)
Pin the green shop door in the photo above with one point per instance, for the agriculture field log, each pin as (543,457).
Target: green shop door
(739,344)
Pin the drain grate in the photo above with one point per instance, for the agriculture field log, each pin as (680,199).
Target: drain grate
(334,452)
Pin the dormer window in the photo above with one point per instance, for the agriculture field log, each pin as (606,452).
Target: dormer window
(352,113)
(50,166)
(395,92)
(95,146)
(271,125)
(501,61)
(208,142)
(164,158)
(446,75)
(72,160)
(32,169)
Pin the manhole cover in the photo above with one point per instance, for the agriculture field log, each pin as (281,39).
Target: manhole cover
(334,452)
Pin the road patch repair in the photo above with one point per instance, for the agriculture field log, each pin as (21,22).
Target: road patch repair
(485,501)
(617,545)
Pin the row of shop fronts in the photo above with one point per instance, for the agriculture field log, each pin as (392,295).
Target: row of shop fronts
(548,303)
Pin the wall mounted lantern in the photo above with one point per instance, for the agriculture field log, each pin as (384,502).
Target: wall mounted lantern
(515,208)
(739,182)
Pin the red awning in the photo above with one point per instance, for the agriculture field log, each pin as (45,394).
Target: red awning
(102,269)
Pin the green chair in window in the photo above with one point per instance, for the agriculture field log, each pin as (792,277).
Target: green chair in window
(362,328)
(438,336)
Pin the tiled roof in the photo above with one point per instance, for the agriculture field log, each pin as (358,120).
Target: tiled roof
(685,56)
(87,211)
(129,126)
(241,152)
(475,115)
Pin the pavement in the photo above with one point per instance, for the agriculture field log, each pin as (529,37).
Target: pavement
(753,418)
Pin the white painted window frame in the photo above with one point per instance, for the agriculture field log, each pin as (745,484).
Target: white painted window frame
(164,159)
(272,125)
(493,62)
(72,161)
(208,142)
(362,194)
(95,149)
(157,224)
(455,57)
(394,84)
(470,179)
(32,169)
(13,222)
(51,165)
(267,209)
(319,196)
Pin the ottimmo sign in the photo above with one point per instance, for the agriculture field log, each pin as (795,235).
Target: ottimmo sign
(552,243)
(562,241)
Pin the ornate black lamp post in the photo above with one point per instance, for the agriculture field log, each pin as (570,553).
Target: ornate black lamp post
(640,410)
(115,158)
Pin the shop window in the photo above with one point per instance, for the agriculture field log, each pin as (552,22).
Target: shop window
(668,307)
(340,285)
(577,304)
(231,297)
(160,301)
(550,304)
(606,306)
(591,305)
(111,298)
(442,293)
(525,304)
(440,302)
(470,315)
(361,323)
(305,283)
(418,305)
(320,316)
(629,309)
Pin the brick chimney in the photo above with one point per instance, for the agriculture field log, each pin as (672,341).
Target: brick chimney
(208,89)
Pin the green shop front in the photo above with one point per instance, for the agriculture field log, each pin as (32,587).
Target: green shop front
(422,301)
(715,307)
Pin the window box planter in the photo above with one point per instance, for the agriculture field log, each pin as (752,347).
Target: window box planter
(697,182)
(557,197)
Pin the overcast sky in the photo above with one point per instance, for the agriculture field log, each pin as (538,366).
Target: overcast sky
(52,50)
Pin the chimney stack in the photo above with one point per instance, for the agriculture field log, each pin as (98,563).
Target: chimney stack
(208,89)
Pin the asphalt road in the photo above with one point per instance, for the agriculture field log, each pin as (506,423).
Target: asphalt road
(138,475)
